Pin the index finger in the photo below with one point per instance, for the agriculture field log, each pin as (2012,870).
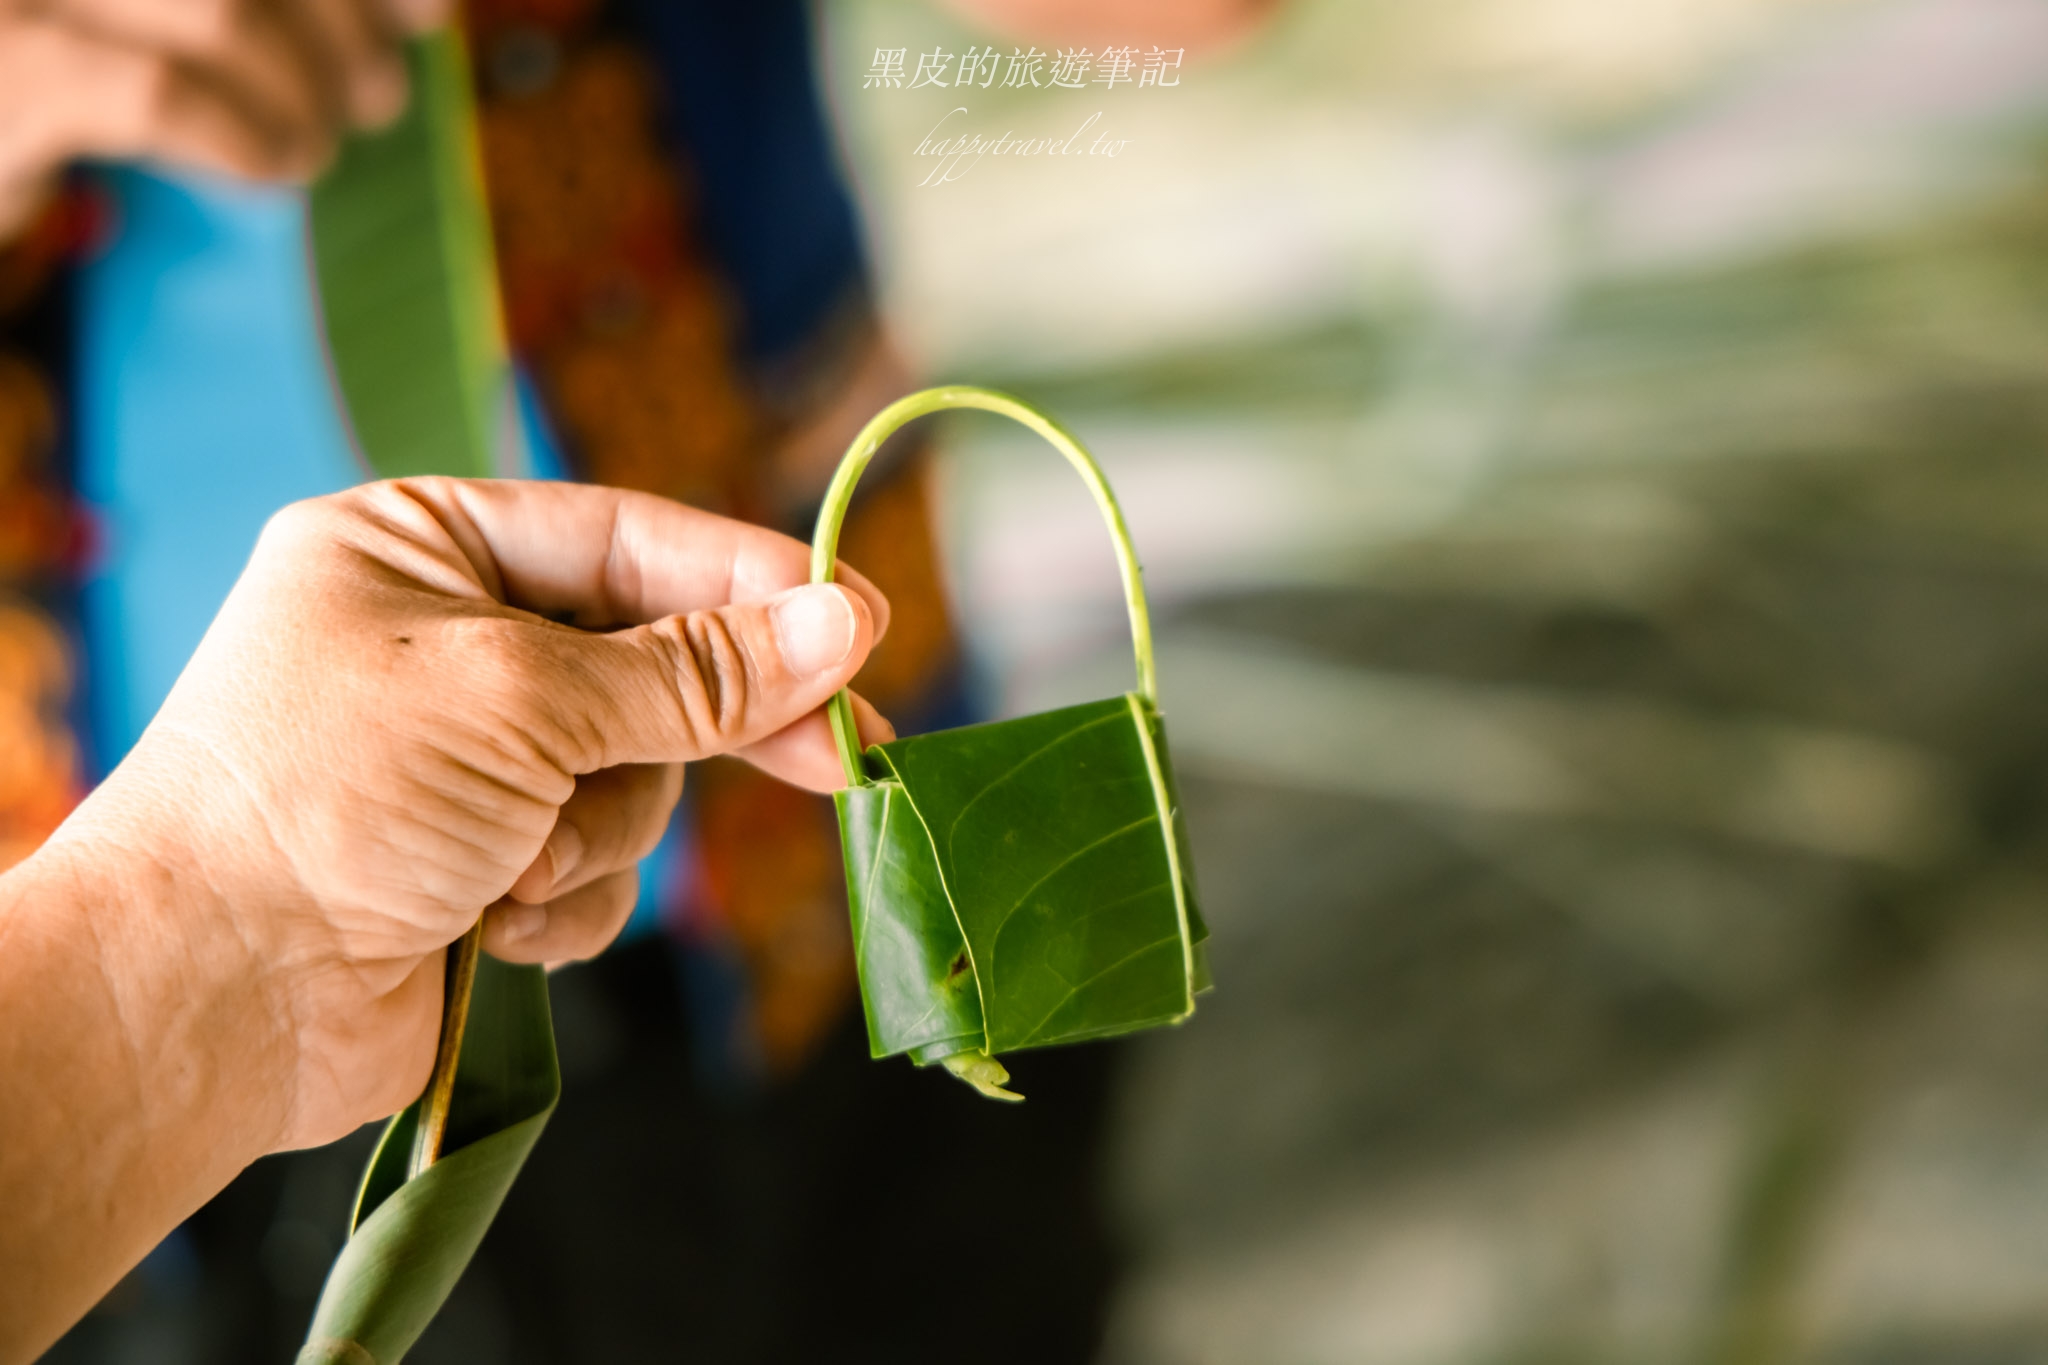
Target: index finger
(607,557)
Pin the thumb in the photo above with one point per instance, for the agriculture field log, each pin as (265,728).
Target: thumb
(708,682)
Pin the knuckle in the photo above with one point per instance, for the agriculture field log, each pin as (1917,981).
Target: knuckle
(298,520)
(519,680)
(682,690)
(300,527)
(404,506)
(714,682)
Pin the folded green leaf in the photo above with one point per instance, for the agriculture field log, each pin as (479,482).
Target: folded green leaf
(1021,884)
(411,1239)
(1024,883)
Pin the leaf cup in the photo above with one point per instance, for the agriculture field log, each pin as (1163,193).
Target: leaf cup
(1025,882)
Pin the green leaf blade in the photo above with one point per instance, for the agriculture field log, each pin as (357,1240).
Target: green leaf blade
(407,280)
(412,1239)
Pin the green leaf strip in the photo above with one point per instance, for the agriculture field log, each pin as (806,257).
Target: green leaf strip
(825,542)
(411,1239)
(952,904)
(1167,828)
(903,941)
(407,284)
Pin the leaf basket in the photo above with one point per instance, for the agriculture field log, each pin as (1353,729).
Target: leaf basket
(1025,882)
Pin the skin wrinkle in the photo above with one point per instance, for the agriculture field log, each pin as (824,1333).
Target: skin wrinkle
(131,1049)
(577,747)
(452,515)
(280,1005)
(680,663)
(436,563)
(444,833)
(617,569)
(421,851)
(518,799)
(468,836)
(721,672)
(265,811)
(534,759)
(531,680)
(452,818)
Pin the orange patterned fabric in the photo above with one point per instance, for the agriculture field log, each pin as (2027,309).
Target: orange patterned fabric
(40,772)
(606,295)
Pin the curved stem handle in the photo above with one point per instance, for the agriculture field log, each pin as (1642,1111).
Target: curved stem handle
(825,542)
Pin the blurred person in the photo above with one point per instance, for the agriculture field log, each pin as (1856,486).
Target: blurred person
(687,299)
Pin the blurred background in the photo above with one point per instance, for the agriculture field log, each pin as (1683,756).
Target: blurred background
(1588,460)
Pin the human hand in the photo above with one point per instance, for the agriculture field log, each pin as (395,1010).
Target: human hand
(383,734)
(259,89)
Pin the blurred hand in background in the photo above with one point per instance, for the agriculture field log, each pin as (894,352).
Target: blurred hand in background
(260,89)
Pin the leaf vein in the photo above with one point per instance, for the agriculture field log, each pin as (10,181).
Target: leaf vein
(953,828)
(1083,985)
(1062,866)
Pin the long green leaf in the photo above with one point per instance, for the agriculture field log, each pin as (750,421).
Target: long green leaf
(407,284)
(411,1239)
(402,255)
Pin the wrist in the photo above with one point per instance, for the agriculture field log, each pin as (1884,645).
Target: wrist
(202,1020)
(140,1073)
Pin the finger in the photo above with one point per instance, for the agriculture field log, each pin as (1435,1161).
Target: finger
(607,556)
(113,101)
(363,45)
(681,689)
(614,819)
(261,54)
(804,755)
(569,928)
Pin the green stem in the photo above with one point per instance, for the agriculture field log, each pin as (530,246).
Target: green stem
(432,1126)
(825,543)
